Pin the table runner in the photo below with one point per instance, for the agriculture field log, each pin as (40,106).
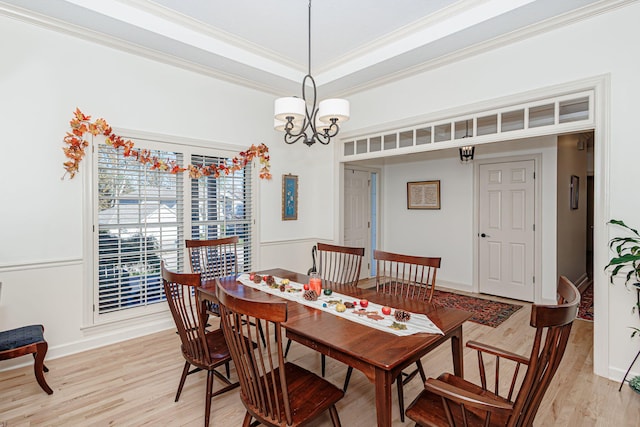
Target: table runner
(417,323)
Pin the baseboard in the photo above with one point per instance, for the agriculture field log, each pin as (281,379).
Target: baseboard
(583,282)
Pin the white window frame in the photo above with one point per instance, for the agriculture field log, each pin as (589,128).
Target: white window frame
(187,147)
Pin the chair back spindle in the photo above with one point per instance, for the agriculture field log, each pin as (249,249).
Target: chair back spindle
(187,313)
(412,277)
(339,265)
(213,258)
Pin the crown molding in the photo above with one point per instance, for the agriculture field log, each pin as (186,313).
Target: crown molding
(551,24)
(50,23)
(399,34)
(211,32)
(286,86)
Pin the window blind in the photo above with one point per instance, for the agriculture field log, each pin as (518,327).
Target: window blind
(222,207)
(140,223)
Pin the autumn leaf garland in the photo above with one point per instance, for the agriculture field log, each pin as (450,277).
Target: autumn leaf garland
(81,124)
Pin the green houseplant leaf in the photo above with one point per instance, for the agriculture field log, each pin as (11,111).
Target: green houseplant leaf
(627,259)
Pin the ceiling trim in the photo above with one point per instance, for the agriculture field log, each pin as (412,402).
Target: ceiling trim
(497,42)
(48,22)
(214,33)
(83,33)
(420,33)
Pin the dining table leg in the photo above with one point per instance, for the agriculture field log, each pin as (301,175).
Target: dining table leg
(383,383)
(456,351)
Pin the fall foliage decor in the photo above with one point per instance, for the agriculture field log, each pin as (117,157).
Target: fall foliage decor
(81,124)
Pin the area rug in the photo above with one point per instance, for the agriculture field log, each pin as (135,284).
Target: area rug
(585,312)
(485,311)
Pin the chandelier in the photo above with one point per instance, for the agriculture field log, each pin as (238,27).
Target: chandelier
(299,119)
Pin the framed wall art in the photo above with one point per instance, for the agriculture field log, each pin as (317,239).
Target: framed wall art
(289,197)
(423,195)
(575,191)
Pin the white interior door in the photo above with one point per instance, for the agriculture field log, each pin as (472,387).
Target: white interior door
(506,229)
(357,214)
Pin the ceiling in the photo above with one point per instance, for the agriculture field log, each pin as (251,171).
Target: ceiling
(263,44)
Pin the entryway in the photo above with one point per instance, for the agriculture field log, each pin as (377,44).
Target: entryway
(360,214)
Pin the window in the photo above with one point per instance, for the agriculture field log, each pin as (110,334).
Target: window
(142,216)
(140,222)
(222,207)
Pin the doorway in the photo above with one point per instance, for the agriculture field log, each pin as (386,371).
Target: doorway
(361,214)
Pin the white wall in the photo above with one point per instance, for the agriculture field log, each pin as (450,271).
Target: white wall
(448,232)
(44,76)
(594,47)
(445,233)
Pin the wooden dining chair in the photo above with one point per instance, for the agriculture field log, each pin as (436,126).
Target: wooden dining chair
(338,266)
(452,401)
(410,277)
(215,258)
(27,340)
(273,392)
(205,350)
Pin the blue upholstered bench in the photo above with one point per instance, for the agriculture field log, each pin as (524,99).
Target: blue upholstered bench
(27,340)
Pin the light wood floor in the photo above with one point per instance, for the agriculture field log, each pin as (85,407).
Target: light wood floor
(134,383)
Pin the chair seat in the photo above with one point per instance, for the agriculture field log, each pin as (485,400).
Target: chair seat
(309,394)
(218,351)
(427,409)
(21,337)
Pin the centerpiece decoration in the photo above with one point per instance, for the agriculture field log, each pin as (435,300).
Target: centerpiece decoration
(81,125)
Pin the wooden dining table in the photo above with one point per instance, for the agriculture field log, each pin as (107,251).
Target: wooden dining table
(380,355)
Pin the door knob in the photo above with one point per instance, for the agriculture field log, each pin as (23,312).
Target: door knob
(484,235)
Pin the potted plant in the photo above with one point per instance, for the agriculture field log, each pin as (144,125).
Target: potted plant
(627,261)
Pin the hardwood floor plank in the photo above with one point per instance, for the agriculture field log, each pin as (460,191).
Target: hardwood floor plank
(133,383)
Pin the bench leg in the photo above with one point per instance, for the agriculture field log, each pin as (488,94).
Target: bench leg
(38,366)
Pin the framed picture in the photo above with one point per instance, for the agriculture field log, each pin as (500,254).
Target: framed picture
(423,195)
(575,191)
(289,197)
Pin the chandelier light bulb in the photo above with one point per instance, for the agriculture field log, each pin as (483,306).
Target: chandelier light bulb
(334,108)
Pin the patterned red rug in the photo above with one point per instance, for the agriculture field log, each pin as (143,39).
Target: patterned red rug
(485,312)
(585,312)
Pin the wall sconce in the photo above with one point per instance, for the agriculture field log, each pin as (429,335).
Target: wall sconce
(466,153)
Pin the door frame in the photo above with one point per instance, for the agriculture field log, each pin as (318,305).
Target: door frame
(537,235)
